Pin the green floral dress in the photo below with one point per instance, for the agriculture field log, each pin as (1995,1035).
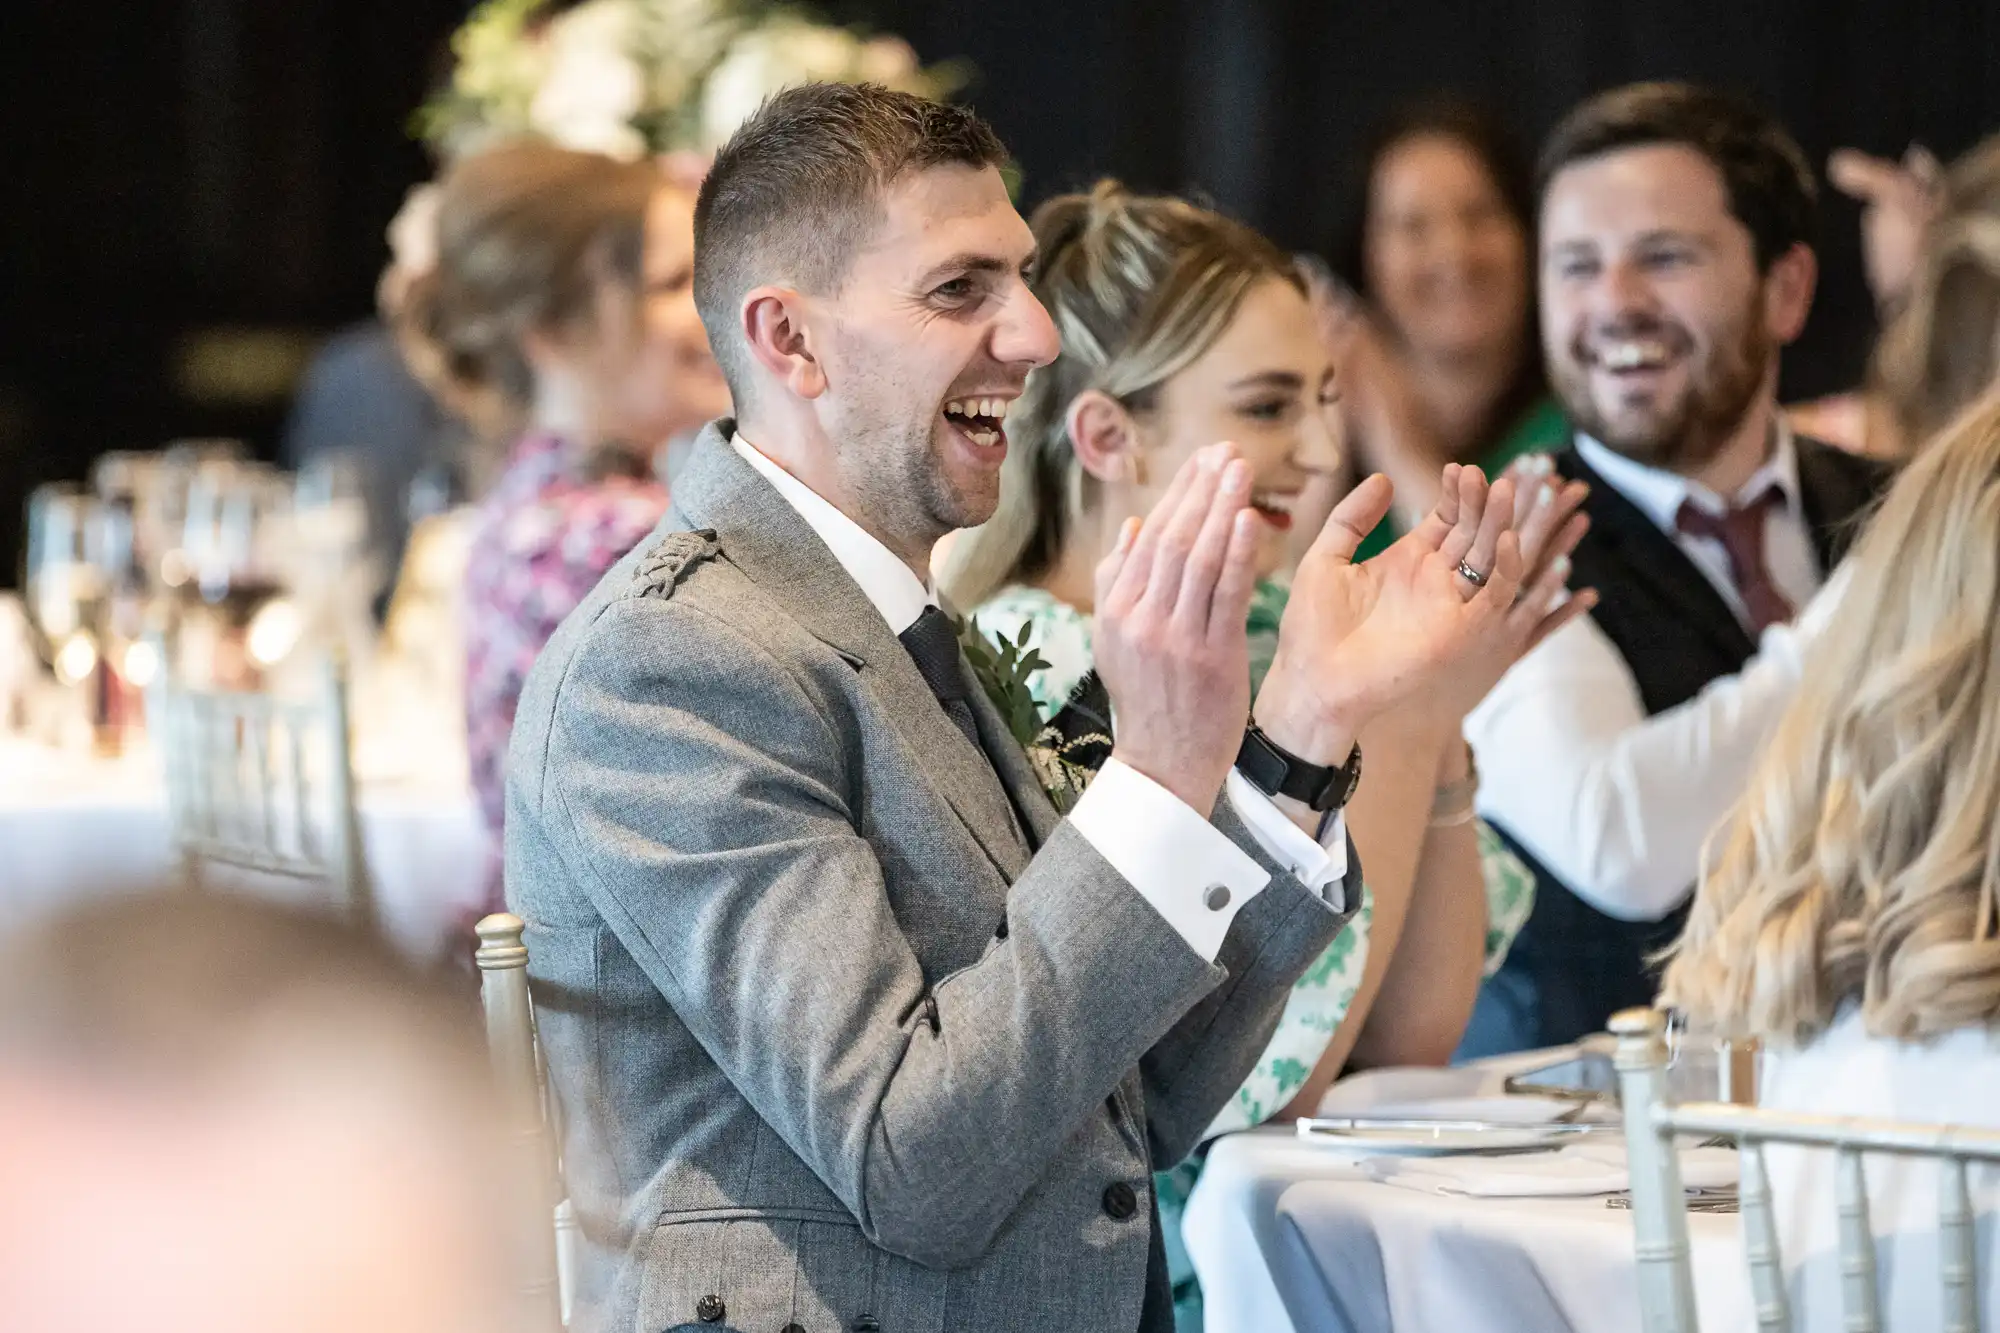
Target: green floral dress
(1322,996)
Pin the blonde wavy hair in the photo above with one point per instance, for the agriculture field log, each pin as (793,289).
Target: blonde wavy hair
(1139,286)
(1863,861)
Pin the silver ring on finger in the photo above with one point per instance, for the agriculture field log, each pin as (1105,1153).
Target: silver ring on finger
(1471,575)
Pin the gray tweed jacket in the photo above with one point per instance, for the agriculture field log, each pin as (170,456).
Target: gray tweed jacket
(848,1034)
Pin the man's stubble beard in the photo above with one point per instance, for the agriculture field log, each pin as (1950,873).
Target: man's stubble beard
(898,477)
(1707,417)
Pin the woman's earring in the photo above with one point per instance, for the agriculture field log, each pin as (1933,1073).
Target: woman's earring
(1135,470)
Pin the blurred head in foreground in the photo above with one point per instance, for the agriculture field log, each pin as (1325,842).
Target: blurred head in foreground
(220,1114)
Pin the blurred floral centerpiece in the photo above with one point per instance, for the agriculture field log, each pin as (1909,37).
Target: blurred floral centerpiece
(631,77)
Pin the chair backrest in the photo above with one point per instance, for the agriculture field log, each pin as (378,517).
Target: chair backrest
(1659,1205)
(265,784)
(545,1284)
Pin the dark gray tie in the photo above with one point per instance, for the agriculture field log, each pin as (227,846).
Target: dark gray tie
(933,645)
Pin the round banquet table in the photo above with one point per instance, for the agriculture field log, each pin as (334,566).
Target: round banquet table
(1365,1255)
(73,826)
(1293,1236)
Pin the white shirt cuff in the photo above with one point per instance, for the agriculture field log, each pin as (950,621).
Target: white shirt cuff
(1320,866)
(1186,868)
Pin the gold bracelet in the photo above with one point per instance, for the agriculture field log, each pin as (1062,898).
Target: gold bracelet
(1457,803)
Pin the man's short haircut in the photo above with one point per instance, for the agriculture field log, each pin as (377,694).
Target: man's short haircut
(798,188)
(1765,174)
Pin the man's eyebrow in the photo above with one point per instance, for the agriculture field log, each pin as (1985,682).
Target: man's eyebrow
(1684,235)
(974,262)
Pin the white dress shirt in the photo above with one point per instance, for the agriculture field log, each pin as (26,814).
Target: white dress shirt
(1788,543)
(1151,837)
(1614,803)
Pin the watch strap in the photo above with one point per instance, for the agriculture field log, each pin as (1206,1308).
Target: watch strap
(1276,771)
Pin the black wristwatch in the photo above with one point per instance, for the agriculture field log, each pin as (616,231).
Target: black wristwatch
(1276,771)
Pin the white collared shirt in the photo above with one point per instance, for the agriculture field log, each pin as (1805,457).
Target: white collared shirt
(1614,803)
(1151,837)
(1788,544)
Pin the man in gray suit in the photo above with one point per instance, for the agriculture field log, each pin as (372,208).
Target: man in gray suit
(852,1030)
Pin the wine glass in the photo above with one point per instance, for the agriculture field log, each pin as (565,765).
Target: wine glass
(330,521)
(129,620)
(61,590)
(59,582)
(163,516)
(334,575)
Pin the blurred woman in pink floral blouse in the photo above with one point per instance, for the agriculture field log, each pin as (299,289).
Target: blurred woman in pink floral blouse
(563,290)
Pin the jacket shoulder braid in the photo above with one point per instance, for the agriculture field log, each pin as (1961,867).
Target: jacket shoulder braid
(659,570)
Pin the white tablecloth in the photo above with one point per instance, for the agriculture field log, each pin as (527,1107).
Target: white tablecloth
(1363,1256)
(72,826)
(1274,1212)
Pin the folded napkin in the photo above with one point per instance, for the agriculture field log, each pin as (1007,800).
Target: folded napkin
(1579,1169)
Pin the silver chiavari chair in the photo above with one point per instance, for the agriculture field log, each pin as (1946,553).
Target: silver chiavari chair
(1659,1205)
(265,784)
(532,1127)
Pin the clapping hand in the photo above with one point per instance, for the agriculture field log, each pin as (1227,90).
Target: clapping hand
(1437,615)
(1899,201)
(1549,526)
(1173,598)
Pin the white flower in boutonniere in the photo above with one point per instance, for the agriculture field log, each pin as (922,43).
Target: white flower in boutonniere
(1003,669)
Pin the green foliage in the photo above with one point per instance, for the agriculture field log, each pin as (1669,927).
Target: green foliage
(1003,670)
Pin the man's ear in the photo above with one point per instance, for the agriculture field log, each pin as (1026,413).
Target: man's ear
(774,328)
(1105,437)
(1788,292)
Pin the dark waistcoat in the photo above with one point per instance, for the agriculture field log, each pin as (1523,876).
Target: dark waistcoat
(1572,966)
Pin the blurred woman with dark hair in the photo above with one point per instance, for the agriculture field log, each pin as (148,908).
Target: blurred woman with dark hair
(1430,305)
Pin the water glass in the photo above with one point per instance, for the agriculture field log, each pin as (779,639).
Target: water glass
(59,583)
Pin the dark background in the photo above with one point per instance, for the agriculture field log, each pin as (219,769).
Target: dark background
(179,175)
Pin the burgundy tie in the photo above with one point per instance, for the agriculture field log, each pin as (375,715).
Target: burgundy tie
(1741,532)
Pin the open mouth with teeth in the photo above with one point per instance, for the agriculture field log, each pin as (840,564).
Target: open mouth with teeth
(982,421)
(1623,356)
(1275,508)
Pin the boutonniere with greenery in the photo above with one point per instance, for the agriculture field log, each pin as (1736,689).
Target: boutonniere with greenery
(1003,668)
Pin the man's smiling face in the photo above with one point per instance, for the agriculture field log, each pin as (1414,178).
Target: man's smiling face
(927,339)
(1655,317)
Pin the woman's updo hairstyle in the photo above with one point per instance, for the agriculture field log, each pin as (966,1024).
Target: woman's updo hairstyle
(1139,286)
(528,236)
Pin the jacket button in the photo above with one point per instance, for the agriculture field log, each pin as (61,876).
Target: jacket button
(1119,1201)
(867,1323)
(1000,931)
(710,1309)
(793,1328)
